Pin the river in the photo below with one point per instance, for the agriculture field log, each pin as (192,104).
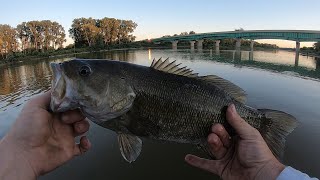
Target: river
(272,79)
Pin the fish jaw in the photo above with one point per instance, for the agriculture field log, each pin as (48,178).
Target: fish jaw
(61,100)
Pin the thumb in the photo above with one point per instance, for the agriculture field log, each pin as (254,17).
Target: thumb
(240,125)
(209,165)
(41,101)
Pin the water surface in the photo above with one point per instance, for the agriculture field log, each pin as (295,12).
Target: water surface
(272,79)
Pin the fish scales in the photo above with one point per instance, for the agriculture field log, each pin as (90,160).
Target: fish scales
(185,108)
(161,102)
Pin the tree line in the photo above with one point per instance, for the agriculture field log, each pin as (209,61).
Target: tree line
(101,32)
(34,37)
(30,36)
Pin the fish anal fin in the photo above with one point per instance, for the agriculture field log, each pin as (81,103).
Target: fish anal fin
(130,146)
(233,90)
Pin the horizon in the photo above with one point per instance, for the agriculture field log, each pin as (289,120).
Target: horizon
(157,19)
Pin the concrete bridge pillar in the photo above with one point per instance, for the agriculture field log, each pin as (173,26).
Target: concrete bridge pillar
(296,62)
(251,55)
(238,44)
(174,45)
(217,45)
(192,45)
(251,45)
(199,44)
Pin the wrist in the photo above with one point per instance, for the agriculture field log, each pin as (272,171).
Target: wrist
(271,170)
(13,164)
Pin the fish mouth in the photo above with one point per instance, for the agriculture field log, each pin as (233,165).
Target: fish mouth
(60,102)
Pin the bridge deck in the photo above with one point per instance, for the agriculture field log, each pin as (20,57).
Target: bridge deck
(294,35)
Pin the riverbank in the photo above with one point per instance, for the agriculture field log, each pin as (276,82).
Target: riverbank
(16,58)
(71,51)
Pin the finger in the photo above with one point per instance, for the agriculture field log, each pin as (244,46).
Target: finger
(224,136)
(205,164)
(216,146)
(72,116)
(239,124)
(80,127)
(82,147)
(42,100)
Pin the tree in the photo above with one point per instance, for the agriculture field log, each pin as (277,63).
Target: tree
(88,31)
(23,35)
(183,33)
(240,29)
(8,40)
(84,31)
(166,36)
(33,28)
(192,32)
(58,35)
(75,31)
(126,28)
(41,35)
(105,29)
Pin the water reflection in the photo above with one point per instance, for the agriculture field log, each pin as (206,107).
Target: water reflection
(251,55)
(295,95)
(122,55)
(149,54)
(303,66)
(29,79)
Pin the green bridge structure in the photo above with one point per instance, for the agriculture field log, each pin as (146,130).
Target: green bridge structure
(292,35)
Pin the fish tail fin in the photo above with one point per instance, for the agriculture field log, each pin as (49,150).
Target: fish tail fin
(275,128)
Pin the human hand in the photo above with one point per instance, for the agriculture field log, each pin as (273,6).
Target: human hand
(42,141)
(246,156)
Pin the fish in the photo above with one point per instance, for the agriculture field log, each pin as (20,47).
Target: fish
(165,102)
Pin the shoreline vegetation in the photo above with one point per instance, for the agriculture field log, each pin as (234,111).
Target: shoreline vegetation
(34,40)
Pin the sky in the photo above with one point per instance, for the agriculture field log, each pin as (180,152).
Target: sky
(168,17)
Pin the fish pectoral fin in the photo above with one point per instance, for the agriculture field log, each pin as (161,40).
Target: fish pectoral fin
(130,146)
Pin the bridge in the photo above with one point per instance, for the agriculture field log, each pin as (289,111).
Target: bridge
(293,35)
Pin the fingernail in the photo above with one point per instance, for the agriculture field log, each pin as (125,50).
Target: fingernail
(220,129)
(189,158)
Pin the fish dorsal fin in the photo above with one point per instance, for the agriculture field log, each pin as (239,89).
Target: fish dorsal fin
(233,90)
(130,146)
(172,68)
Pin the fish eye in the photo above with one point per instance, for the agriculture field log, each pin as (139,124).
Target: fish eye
(85,71)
